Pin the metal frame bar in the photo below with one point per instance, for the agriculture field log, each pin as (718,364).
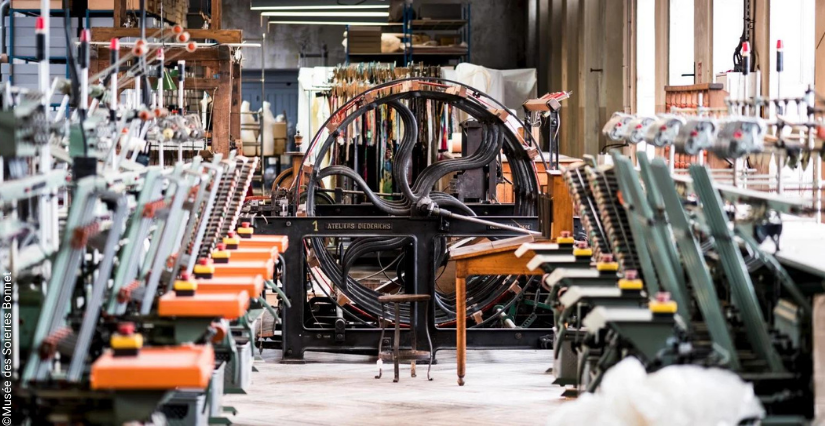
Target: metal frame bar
(61,285)
(95,300)
(704,290)
(733,263)
(298,339)
(652,233)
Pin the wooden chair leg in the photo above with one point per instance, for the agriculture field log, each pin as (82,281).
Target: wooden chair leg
(396,340)
(382,321)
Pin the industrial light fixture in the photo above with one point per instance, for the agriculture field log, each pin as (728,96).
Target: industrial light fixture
(350,23)
(329,14)
(317,4)
(333,7)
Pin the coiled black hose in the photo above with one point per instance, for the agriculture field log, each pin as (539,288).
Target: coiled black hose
(482,291)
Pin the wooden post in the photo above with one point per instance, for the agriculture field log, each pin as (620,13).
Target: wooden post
(819,55)
(235,122)
(630,72)
(461,328)
(216,15)
(556,37)
(612,82)
(222,108)
(119,13)
(662,11)
(631,10)
(562,204)
(544,41)
(591,71)
(570,81)
(762,35)
(703,41)
(819,59)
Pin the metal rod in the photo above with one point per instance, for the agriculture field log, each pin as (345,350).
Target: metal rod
(181,78)
(449,214)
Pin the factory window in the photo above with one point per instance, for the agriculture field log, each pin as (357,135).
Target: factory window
(793,23)
(728,19)
(645,60)
(681,42)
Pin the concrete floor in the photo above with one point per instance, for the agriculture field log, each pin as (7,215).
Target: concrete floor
(503,387)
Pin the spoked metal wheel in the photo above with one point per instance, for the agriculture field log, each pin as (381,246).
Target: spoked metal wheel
(412,191)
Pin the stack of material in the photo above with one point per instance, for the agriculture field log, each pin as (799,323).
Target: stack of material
(26,75)
(25,40)
(35,4)
(364,40)
(173,10)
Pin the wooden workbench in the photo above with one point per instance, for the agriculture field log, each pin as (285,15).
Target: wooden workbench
(490,258)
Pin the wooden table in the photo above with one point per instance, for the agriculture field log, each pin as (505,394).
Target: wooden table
(491,258)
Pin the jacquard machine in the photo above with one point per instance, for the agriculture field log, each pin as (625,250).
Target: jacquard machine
(404,225)
(132,292)
(690,271)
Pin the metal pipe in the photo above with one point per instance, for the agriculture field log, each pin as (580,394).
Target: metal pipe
(816,157)
(4,9)
(83,59)
(48,203)
(449,214)
(701,108)
(161,59)
(181,78)
(142,95)
(114,53)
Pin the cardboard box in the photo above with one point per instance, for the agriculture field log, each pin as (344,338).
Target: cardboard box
(35,4)
(279,130)
(364,40)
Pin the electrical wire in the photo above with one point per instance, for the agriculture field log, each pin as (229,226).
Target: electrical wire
(483,290)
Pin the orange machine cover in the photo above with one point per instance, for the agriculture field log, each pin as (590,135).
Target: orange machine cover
(250,268)
(228,305)
(244,254)
(252,286)
(281,242)
(155,368)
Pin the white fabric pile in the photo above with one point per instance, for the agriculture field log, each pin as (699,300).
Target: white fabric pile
(510,87)
(674,396)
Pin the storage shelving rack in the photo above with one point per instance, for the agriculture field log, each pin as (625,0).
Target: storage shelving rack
(15,59)
(88,16)
(427,55)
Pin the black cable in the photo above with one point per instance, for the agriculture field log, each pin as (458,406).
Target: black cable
(614,145)
(483,290)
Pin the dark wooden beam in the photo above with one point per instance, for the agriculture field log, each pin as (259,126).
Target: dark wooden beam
(220,36)
(119,13)
(194,83)
(175,54)
(221,110)
(662,40)
(235,118)
(217,12)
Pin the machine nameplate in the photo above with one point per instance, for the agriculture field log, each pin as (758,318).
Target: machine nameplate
(360,226)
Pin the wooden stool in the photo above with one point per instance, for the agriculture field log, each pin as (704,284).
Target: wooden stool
(397,355)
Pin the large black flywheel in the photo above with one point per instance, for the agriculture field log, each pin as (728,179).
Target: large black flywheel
(413,191)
